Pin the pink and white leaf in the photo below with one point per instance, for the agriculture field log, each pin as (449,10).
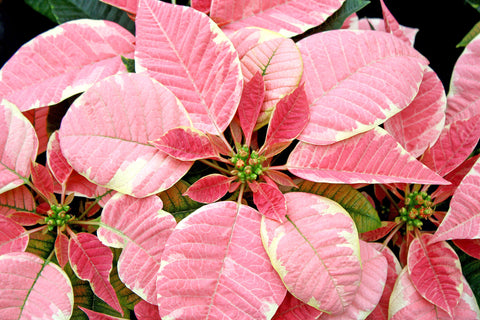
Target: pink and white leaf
(250,105)
(42,179)
(393,270)
(129,6)
(81,187)
(456,142)
(289,17)
(418,126)
(207,262)
(186,144)
(391,24)
(379,25)
(209,188)
(280,178)
(89,50)
(61,249)
(294,309)
(308,257)
(370,157)
(187,52)
(463,100)
(407,303)
(56,162)
(146,311)
(38,118)
(288,119)
(32,288)
(201,5)
(105,134)
(269,200)
(278,60)
(92,261)
(12,236)
(435,271)
(144,230)
(463,217)
(94,315)
(374,276)
(356,80)
(18,147)
(17,200)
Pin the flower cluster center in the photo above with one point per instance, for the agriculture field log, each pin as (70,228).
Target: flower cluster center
(418,206)
(247,164)
(57,216)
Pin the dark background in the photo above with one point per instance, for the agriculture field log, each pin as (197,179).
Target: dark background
(441,27)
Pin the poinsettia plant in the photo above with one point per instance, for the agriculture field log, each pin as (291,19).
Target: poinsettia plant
(227,160)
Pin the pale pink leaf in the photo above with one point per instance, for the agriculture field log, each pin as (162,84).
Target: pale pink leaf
(12,236)
(288,119)
(463,217)
(86,51)
(38,118)
(106,131)
(214,266)
(129,6)
(370,157)
(269,200)
(355,80)
(469,246)
(202,5)
(146,311)
(187,52)
(61,249)
(379,25)
(56,162)
(456,142)
(278,60)
(463,100)
(17,200)
(407,303)
(18,147)
(32,288)
(435,271)
(374,276)
(391,24)
(393,270)
(288,17)
(294,309)
(92,261)
(250,105)
(94,315)
(186,144)
(316,252)
(144,230)
(418,126)
(209,188)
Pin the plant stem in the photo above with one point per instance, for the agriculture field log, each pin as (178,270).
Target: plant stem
(391,234)
(215,166)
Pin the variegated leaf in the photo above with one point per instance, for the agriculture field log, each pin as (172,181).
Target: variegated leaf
(12,236)
(56,162)
(210,188)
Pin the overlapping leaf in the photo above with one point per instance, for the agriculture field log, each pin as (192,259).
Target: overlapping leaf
(32,288)
(251,104)
(209,188)
(207,258)
(18,147)
(12,236)
(379,25)
(316,252)
(269,200)
(370,157)
(56,162)
(289,17)
(105,135)
(355,80)
(294,309)
(86,51)
(435,271)
(278,60)
(418,126)
(463,218)
(38,118)
(143,231)
(129,6)
(186,51)
(17,200)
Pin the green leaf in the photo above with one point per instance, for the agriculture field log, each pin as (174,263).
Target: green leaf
(128,299)
(471,271)
(129,64)
(360,209)
(475,4)
(470,35)
(336,20)
(83,294)
(176,204)
(61,11)
(41,244)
